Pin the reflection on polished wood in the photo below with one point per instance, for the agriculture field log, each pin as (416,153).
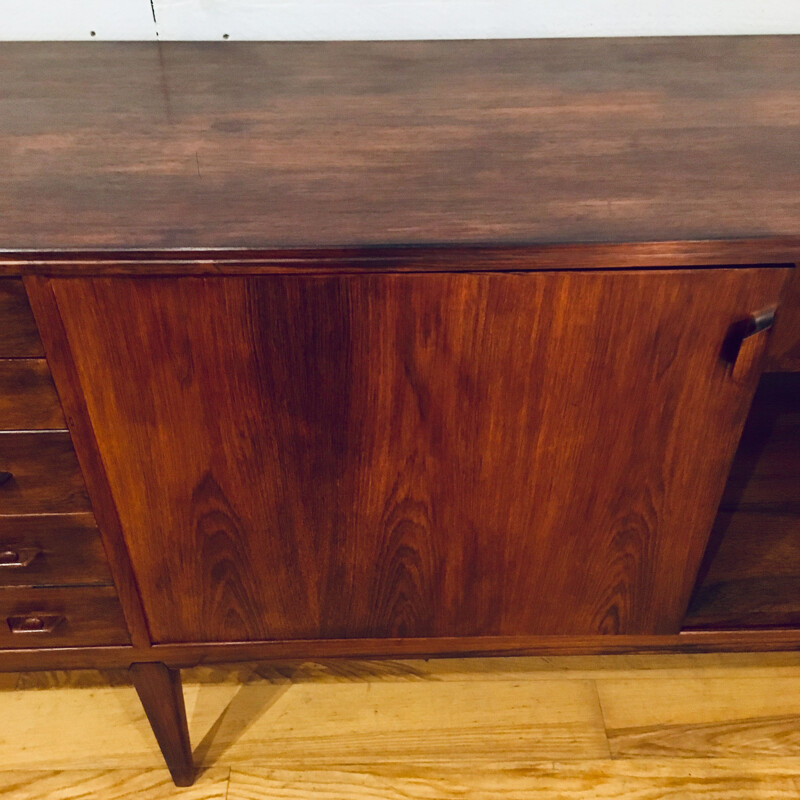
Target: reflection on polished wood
(253,144)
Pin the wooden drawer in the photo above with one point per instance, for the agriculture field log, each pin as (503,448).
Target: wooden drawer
(28,399)
(19,337)
(69,617)
(46,478)
(51,550)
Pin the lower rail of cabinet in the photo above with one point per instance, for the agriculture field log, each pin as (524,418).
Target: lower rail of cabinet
(186,655)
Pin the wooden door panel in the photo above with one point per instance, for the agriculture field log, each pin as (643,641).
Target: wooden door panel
(414,455)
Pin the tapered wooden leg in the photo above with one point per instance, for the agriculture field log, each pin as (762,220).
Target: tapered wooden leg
(159,689)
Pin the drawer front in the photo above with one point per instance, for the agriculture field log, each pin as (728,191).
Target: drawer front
(19,337)
(45,476)
(51,550)
(28,399)
(61,618)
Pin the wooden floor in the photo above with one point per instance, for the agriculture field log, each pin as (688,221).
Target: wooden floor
(614,727)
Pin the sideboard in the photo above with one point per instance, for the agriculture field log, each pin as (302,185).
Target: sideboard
(385,349)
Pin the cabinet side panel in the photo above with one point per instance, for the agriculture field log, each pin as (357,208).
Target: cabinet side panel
(413,455)
(62,366)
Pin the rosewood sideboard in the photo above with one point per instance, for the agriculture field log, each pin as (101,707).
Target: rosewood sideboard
(385,349)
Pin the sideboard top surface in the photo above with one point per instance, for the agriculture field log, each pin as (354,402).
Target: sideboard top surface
(146,146)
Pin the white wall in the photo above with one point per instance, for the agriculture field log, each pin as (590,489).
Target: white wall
(389,19)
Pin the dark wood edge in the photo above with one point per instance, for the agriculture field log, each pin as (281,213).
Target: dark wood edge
(187,655)
(56,346)
(161,695)
(454,257)
(783,329)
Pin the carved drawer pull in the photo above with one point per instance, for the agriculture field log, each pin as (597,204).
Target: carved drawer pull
(17,557)
(35,623)
(746,343)
(5,477)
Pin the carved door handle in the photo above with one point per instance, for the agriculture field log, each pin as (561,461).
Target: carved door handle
(746,342)
(17,556)
(34,623)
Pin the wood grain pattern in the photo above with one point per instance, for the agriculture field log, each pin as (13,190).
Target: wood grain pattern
(290,457)
(652,779)
(91,616)
(412,456)
(60,360)
(107,784)
(775,735)
(137,145)
(18,335)
(68,545)
(28,399)
(79,729)
(319,725)
(699,716)
(471,751)
(324,725)
(47,478)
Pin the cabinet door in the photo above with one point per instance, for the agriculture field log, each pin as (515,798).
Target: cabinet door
(414,455)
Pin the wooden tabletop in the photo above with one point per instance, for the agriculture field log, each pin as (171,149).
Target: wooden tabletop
(261,145)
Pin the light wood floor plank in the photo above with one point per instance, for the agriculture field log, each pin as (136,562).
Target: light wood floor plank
(152,784)
(695,717)
(77,728)
(705,779)
(318,723)
(323,724)
(423,730)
